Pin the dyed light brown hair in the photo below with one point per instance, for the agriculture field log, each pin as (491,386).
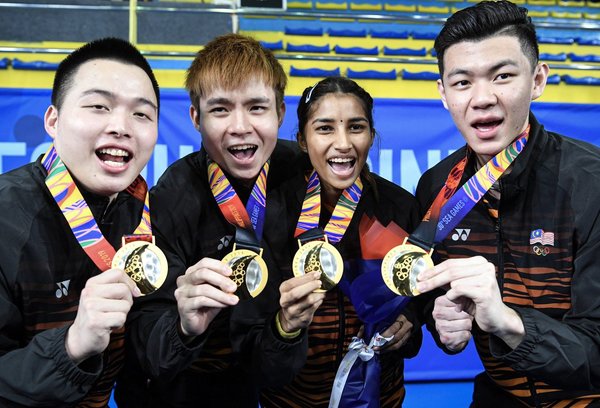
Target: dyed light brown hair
(228,62)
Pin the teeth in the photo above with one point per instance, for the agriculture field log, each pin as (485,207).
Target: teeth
(341,159)
(114,164)
(114,152)
(242,147)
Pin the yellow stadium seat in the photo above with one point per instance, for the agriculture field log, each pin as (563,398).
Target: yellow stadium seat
(565,14)
(400,7)
(538,13)
(542,2)
(433,9)
(299,4)
(366,6)
(331,6)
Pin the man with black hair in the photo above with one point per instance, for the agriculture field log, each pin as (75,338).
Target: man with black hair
(62,305)
(525,283)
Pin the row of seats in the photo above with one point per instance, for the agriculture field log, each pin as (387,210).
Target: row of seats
(403,51)
(421,35)
(419,76)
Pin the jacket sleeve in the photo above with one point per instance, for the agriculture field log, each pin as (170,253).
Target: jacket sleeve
(566,352)
(39,373)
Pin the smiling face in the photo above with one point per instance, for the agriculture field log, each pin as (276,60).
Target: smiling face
(337,137)
(106,128)
(488,87)
(239,127)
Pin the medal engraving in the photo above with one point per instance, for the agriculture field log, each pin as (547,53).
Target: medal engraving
(249,270)
(401,267)
(144,263)
(319,256)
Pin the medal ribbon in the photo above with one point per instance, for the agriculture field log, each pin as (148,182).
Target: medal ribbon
(252,217)
(449,208)
(79,216)
(342,213)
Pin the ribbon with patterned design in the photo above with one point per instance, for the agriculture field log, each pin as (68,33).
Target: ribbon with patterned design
(342,213)
(450,207)
(251,217)
(61,185)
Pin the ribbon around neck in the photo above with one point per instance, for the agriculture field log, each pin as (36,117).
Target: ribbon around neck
(74,208)
(342,213)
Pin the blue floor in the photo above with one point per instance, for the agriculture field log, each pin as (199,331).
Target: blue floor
(441,394)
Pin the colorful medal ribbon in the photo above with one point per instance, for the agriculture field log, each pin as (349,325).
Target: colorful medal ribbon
(79,216)
(342,213)
(250,218)
(449,208)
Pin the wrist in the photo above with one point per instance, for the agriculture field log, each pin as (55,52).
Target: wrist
(283,330)
(512,331)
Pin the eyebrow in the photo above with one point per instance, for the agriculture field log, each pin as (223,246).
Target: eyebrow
(329,120)
(493,68)
(226,101)
(110,95)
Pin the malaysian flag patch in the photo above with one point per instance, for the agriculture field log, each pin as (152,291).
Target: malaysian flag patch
(538,236)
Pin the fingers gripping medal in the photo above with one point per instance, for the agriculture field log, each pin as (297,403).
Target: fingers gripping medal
(143,262)
(401,267)
(249,270)
(319,256)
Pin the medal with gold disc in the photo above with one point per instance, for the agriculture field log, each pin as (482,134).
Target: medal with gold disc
(143,262)
(249,270)
(319,256)
(402,265)
(316,252)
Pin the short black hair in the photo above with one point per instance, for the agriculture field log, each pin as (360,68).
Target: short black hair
(105,48)
(488,19)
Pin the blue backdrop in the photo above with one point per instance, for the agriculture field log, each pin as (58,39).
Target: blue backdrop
(413,136)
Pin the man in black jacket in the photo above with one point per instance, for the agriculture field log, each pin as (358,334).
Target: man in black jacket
(521,268)
(62,305)
(183,348)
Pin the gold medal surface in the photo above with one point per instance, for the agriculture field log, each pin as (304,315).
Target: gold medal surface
(319,256)
(248,268)
(401,267)
(144,263)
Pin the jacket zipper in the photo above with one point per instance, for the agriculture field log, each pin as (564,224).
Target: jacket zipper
(498,229)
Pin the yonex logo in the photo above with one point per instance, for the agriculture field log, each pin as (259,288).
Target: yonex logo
(461,233)
(63,289)
(224,242)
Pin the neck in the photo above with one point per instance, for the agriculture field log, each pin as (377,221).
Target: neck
(330,197)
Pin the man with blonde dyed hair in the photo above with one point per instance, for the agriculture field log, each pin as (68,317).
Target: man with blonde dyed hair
(209,205)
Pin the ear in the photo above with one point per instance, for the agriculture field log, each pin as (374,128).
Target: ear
(442,91)
(540,77)
(301,142)
(195,117)
(281,113)
(51,121)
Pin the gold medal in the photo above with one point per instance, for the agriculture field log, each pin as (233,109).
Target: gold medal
(249,269)
(144,263)
(401,267)
(319,256)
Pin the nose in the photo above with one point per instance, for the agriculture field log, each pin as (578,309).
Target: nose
(483,96)
(239,124)
(342,140)
(120,123)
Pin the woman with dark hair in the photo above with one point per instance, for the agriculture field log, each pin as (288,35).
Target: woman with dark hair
(335,205)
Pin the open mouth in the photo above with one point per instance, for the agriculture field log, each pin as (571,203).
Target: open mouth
(243,152)
(341,164)
(486,126)
(113,157)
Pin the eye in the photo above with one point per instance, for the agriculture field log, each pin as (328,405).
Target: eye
(142,115)
(258,108)
(357,127)
(97,107)
(504,76)
(324,128)
(218,110)
(461,84)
